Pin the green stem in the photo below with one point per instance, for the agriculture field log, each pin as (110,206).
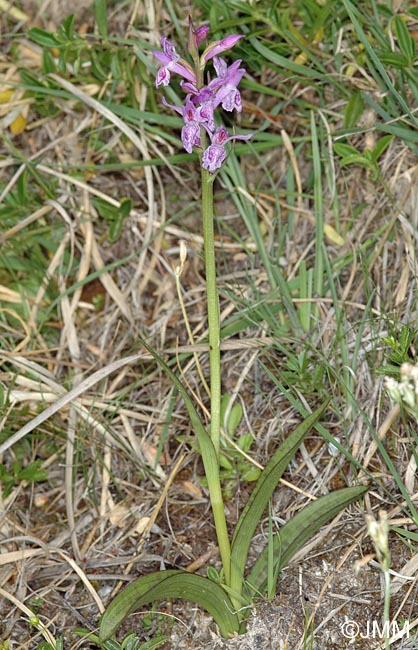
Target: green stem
(216,501)
(213,309)
(212,472)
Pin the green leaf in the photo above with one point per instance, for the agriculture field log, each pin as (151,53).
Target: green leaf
(111,645)
(353,110)
(33,472)
(42,37)
(66,30)
(245,441)
(48,63)
(413,537)
(62,61)
(356,160)
(225,463)
(282,62)
(170,584)
(299,530)
(250,474)
(381,146)
(261,494)
(153,643)
(394,59)
(101,17)
(98,66)
(345,150)
(409,136)
(234,417)
(121,214)
(405,40)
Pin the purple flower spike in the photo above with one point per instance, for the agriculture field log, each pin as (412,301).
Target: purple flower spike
(202,100)
(215,154)
(170,61)
(221,46)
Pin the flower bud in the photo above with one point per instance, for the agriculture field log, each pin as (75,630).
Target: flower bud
(195,38)
(217,47)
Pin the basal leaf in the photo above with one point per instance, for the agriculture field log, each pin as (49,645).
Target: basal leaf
(170,584)
(296,532)
(260,496)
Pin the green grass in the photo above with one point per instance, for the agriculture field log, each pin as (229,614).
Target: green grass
(316,245)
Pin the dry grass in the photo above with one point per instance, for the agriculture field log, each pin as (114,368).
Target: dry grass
(123,494)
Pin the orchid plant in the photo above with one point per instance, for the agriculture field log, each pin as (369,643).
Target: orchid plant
(227,597)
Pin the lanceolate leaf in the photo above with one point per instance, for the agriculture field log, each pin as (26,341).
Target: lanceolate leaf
(171,584)
(260,496)
(299,530)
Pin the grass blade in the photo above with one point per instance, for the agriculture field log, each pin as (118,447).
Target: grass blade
(283,62)
(319,212)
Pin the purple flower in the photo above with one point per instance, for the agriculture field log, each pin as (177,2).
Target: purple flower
(225,84)
(170,61)
(221,46)
(201,33)
(190,133)
(222,89)
(189,87)
(206,110)
(195,38)
(215,154)
(206,101)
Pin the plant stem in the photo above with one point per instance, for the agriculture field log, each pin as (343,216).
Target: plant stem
(216,501)
(212,473)
(213,309)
